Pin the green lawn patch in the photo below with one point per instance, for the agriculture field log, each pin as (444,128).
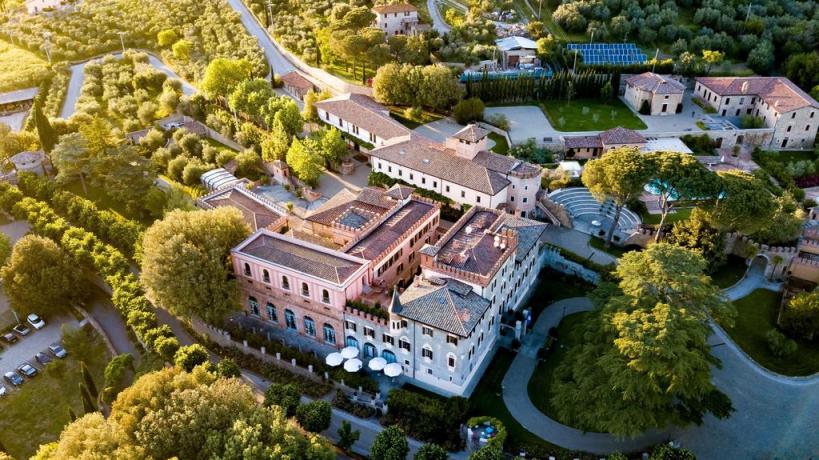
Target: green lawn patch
(675,216)
(501,146)
(730,273)
(348,73)
(568,335)
(36,413)
(613,250)
(787,157)
(487,399)
(590,115)
(756,315)
(412,122)
(553,286)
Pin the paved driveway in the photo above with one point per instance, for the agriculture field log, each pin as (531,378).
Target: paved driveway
(438,22)
(525,122)
(15,120)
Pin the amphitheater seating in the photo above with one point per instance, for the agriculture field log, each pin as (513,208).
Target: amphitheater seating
(580,204)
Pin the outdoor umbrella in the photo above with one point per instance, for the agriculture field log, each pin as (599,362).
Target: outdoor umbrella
(349,352)
(393,370)
(353,365)
(377,364)
(334,359)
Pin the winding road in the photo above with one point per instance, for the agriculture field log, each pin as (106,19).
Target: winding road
(438,22)
(775,416)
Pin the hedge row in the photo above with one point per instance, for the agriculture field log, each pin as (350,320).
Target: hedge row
(426,418)
(109,226)
(377,179)
(92,253)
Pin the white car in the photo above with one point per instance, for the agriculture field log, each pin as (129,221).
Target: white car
(35,321)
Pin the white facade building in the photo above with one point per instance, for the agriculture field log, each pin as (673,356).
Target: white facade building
(791,112)
(396,19)
(362,118)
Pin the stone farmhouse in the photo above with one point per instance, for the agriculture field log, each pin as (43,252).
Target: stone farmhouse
(784,107)
(361,117)
(462,169)
(662,94)
(587,147)
(396,19)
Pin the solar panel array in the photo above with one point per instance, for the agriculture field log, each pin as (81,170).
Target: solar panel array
(609,53)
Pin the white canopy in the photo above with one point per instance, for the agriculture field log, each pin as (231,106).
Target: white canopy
(334,359)
(353,365)
(377,363)
(393,370)
(349,352)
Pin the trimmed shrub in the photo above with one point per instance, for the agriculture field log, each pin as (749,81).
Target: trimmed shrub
(468,110)
(286,396)
(427,418)
(314,416)
(191,356)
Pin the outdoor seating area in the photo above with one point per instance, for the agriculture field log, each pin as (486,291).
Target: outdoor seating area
(591,217)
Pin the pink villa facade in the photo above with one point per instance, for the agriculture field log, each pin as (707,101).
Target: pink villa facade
(298,285)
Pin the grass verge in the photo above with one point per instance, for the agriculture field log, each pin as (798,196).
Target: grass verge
(553,286)
(501,146)
(730,273)
(614,251)
(756,315)
(36,413)
(590,115)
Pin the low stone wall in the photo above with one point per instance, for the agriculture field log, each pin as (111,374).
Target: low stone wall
(552,258)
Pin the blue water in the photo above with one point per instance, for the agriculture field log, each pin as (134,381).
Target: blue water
(653,187)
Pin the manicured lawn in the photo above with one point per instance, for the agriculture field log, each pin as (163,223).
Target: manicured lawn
(36,413)
(501,146)
(756,315)
(411,123)
(348,73)
(553,286)
(21,68)
(787,157)
(590,115)
(730,273)
(487,399)
(568,333)
(675,216)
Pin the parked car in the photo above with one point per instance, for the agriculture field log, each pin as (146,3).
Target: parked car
(57,350)
(13,378)
(2,390)
(27,369)
(21,329)
(35,321)
(8,337)
(42,358)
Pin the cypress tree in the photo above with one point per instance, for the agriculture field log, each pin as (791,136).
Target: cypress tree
(48,137)
(71,415)
(88,405)
(89,381)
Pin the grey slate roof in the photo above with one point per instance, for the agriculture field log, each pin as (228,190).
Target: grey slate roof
(431,158)
(296,255)
(500,163)
(444,304)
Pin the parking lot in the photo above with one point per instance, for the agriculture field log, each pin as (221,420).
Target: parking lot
(26,347)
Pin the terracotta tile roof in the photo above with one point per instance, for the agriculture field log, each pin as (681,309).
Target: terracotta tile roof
(444,304)
(582,142)
(365,113)
(296,80)
(400,192)
(657,84)
(431,158)
(390,231)
(257,213)
(471,133)
(472,247)
(301,256)
(354,211)
(619,135)
(779,92)
(394,8)
(501,163)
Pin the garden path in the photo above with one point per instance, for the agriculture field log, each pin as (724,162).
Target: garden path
(438,22)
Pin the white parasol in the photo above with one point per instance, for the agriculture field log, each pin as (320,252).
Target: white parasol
(393,370)
(334,359)
(353,365)
(377,364)
(349,352)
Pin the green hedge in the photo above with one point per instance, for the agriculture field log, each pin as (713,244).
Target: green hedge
(377,179)
(426,418)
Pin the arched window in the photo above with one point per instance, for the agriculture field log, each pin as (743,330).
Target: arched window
(271,313)
(426,352)
(370,351)
(305,290)
(265,276)
(247,269)
(325,296)
(290,319)
(389,356)
(309,326)
(285,283)
(329,334)
(352,341)
(253,304)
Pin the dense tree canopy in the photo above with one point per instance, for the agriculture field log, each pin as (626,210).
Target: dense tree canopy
(800,317)
(41,278)
(184,261)
(176,414)
(746,204)
(390,444)
(647,361)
